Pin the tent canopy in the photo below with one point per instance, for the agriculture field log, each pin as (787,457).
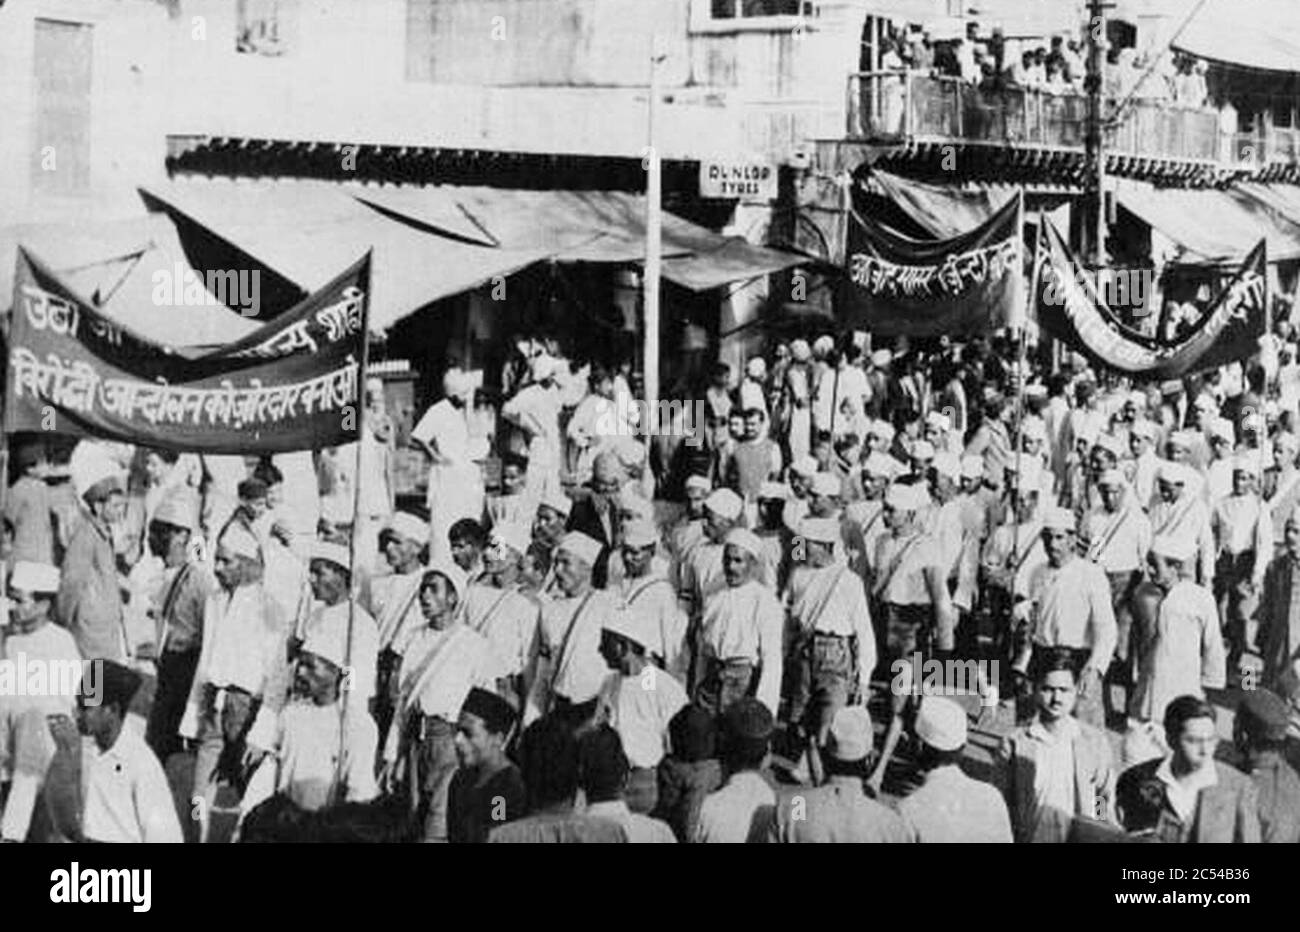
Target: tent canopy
(1210,227)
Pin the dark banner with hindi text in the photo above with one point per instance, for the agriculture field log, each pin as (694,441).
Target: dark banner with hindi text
(969,284)
(1067,306)
(293,384)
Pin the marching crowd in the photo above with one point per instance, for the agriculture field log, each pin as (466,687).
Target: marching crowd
(576,658)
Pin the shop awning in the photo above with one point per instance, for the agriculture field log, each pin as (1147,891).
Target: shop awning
(597,226)
(1262,34)
(946,211)
(307,231)
(1282,199)
(1208,226)
(114,264)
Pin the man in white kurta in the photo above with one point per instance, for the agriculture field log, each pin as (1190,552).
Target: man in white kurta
(569,669)
(242,662)
(1070,606)
(738,651)
(1187,653)
(320,754)
(536,410)
(26,746)
(496,609)
(442,661)
(638,699)
(1181,513)
(455,479)
(1243,534)
(645,585)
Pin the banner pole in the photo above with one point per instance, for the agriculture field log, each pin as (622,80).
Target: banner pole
(1020,396)
(348,679)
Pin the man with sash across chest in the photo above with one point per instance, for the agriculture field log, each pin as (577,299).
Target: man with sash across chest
(646,586)
(569,669)
(1070,606)
(496,609)
(1243,532)
(1182,513)
(703,575)
(1013,552)
(833,650)
(1117,536)
(241,661)
(910,594)
(737,647)
(442,660)
(394,600)
(688,532)
(877,471)
(974,515)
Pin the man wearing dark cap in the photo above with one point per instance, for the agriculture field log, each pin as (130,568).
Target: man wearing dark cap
(1260,733)
(126,794)
(549,755)
(742,810)
(253,504)
(486,790)
(603,774)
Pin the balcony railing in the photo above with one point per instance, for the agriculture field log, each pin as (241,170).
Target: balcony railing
(911,106)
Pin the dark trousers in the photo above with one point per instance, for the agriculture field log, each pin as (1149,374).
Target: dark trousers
(826,678)
(724,683)
(175,677)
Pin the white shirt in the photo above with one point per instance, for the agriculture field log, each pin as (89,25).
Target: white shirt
(508,619)
(305,762)
(1074,609)
(746,622)
(126,794)
(55,649)
(446,428)
(640,829)
(727,815)
(1053,774)
(639,708)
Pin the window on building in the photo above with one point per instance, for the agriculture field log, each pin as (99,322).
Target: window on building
(265,27)
(61,66)
(738,9)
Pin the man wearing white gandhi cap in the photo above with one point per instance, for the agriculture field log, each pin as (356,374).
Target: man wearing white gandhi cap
(242,661)
(738,650)
(497,609)
(90,592)
(1070,606)
(304,746)
(26,746)
(455,480)
(570,670)
(702,575)
(1185,654)
(637,699)
(1243,534)
(1181,512)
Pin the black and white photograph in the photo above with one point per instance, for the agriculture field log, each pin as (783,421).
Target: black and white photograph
(673,421)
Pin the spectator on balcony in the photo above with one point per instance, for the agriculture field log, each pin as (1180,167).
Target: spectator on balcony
(1075,67)
(892,89)
(920,52)
(1055,82)
(967,66)
(1189,85)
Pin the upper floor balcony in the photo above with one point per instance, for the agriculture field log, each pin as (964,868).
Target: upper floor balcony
(1033,127)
